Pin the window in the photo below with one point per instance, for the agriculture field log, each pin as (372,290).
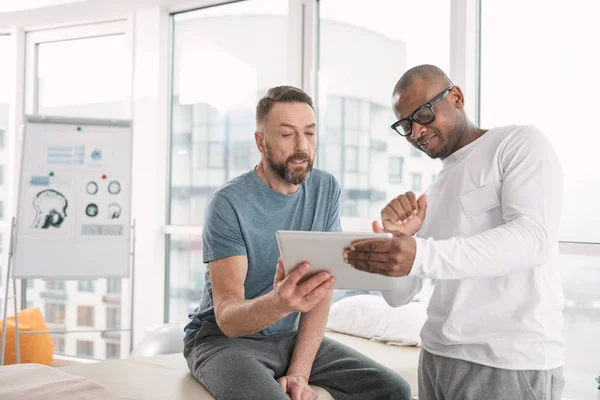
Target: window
(113,318)
(59,344)
(396,169)
(415,182)
(354,104)
(212,132)
(6,82)
(220,126)
(83,77)
(55,285)
(187,283)
(85,316)
(566,33)
(79,71)
(113,286)
(6,78)
(415,153)
(113,350)
(86,286)
(85,349)
(55,313)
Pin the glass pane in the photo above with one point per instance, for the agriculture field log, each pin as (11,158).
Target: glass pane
(581,280)
(356,101)
(556,86)
(219,74)
(186,276)
(85,316)
(351,160)
(217,155)
(415,153)
(84,78)
(66,307)
(333,161)
(395,169)
(85,349)
(416,182)
(6,79)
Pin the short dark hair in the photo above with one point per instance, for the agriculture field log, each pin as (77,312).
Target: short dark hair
(426,72)
(280,94)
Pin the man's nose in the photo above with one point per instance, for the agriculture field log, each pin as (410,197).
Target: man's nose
(301,143)
(418,130)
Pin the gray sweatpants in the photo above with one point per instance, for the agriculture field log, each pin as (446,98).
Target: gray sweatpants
(443,378)
(248,368)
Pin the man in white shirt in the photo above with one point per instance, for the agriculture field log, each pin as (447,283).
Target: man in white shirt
(486,231)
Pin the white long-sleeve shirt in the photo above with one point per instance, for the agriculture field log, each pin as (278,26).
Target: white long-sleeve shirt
(489,239)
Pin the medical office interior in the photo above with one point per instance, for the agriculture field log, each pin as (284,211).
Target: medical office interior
(187,76)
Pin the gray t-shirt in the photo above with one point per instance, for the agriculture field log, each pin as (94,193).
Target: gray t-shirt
(241,220)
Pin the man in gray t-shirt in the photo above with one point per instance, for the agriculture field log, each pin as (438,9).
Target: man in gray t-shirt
(257,333)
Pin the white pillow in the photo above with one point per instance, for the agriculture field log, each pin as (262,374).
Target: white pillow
(370,317)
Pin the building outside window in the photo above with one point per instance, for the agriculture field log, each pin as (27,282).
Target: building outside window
(113,318)
(86,286)
(415,182)
(85,349)
(55,285)
(113,350)
(396,169)
(85,316)
(55,313)
(113,286)
(59,344)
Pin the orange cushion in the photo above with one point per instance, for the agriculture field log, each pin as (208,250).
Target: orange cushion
(35,348)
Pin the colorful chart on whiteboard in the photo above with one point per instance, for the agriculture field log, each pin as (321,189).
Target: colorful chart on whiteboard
(74,189)
(74,202)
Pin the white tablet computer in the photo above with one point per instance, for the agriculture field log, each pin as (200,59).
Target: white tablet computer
(324,251)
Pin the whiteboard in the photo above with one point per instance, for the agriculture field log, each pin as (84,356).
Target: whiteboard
(74,200)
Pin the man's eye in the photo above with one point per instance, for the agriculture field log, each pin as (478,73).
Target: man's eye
(310,133)
(286,134)
(422,114)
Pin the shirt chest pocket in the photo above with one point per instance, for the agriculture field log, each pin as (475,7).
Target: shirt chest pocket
(479,200)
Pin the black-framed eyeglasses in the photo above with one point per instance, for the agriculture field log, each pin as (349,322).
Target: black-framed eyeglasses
(423,115)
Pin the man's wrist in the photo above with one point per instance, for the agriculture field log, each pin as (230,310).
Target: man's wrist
(298,373)
(275,305)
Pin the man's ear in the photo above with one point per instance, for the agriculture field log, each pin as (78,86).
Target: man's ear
(259,138)
(458,97)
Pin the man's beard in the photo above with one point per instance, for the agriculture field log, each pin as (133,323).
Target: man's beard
(293,176)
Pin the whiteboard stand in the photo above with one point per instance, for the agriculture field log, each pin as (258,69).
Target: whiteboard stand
(82,164)
(132,286)
(14,298)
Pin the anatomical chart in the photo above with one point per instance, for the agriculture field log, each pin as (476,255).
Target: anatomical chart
(75,190)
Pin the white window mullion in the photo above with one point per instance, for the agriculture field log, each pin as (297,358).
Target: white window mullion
(295,44)
(150,140)
(310,49)
(464,51)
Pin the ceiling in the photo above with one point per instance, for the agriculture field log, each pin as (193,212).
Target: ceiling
(21,5)
(30,14)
